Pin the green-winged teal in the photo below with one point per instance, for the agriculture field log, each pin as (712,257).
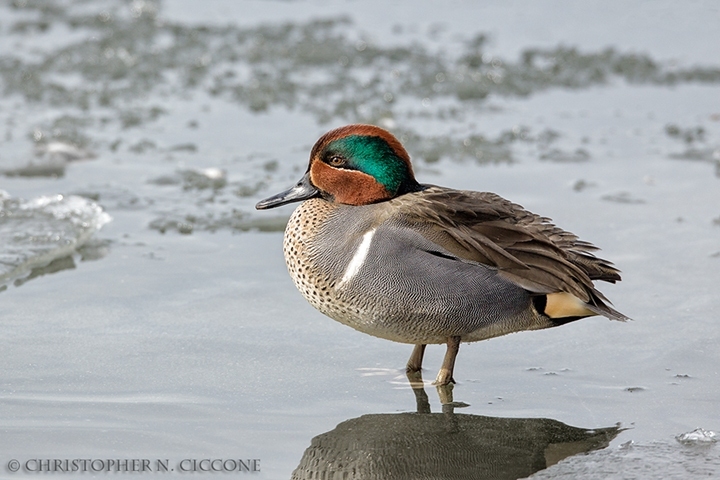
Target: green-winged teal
(374,249)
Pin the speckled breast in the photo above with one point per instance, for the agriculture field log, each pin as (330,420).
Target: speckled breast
(315,262)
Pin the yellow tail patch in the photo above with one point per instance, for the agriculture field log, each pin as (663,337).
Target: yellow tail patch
(561,304)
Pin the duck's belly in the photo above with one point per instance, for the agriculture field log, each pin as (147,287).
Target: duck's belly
(377,282)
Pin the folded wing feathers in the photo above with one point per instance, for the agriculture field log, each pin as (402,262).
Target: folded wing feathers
(526,248)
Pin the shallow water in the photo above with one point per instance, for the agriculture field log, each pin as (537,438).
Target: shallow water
(173,332)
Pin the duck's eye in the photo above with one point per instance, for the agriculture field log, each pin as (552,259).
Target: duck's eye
(336,161)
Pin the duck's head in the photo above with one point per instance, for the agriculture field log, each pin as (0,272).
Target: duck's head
(354,165)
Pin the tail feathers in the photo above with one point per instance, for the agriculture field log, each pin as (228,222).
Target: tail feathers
(609,312)
(601,306)
(563,307)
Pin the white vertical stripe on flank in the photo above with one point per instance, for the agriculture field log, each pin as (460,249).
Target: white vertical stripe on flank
(358,259)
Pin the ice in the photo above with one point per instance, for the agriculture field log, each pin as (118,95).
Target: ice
(35,232)
(699,436)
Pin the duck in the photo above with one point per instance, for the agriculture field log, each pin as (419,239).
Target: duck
(374,249)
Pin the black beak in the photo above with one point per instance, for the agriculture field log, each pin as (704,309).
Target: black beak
(303,190)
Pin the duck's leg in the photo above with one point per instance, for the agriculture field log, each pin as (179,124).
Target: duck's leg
(414,375)
(415,361)
(445,375)
(445,394)
(418,386)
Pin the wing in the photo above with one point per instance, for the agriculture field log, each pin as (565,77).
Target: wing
(527,249)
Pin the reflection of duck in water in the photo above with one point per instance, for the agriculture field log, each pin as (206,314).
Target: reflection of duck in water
(376,250)
(444,446)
